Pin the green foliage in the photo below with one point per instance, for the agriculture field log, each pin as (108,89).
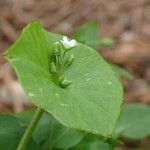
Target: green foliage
(92,142)
(9,134)
(121,72)
(134,121)
(41,132)
(11,130)
(48,135)
(91,103)
(87,96)
(87,34)
(106,42)
(137,149)
(95,145)
(113,143)
(61,137)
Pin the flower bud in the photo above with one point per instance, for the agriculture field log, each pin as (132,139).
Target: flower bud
(56,49)
(69,61)
(53,67)
(64,83)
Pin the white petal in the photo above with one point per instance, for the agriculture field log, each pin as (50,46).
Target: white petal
(65,39)
(72,43)
(67,45)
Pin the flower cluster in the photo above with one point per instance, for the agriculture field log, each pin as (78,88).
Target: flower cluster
(60,60)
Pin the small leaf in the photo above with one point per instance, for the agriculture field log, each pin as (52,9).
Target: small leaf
(134,121)
(87,34)
(106,42)
(114,142)
(122,72)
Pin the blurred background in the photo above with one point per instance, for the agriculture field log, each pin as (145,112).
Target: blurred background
(127,22)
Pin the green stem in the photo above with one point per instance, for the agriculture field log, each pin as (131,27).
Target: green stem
(32,125)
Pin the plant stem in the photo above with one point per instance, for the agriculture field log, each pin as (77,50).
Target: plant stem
(32,125)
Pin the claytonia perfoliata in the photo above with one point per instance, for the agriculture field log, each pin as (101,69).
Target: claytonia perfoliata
(68,43)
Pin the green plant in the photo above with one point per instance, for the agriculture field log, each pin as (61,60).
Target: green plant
(40,59)
(73,87)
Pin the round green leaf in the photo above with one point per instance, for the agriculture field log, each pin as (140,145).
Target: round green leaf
(134,121)
(91,103)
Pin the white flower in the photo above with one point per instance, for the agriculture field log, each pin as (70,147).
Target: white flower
(68,43)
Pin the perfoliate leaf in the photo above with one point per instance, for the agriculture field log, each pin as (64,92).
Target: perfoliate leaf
(91,103)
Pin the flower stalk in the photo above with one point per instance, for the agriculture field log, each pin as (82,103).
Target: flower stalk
(32,125)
